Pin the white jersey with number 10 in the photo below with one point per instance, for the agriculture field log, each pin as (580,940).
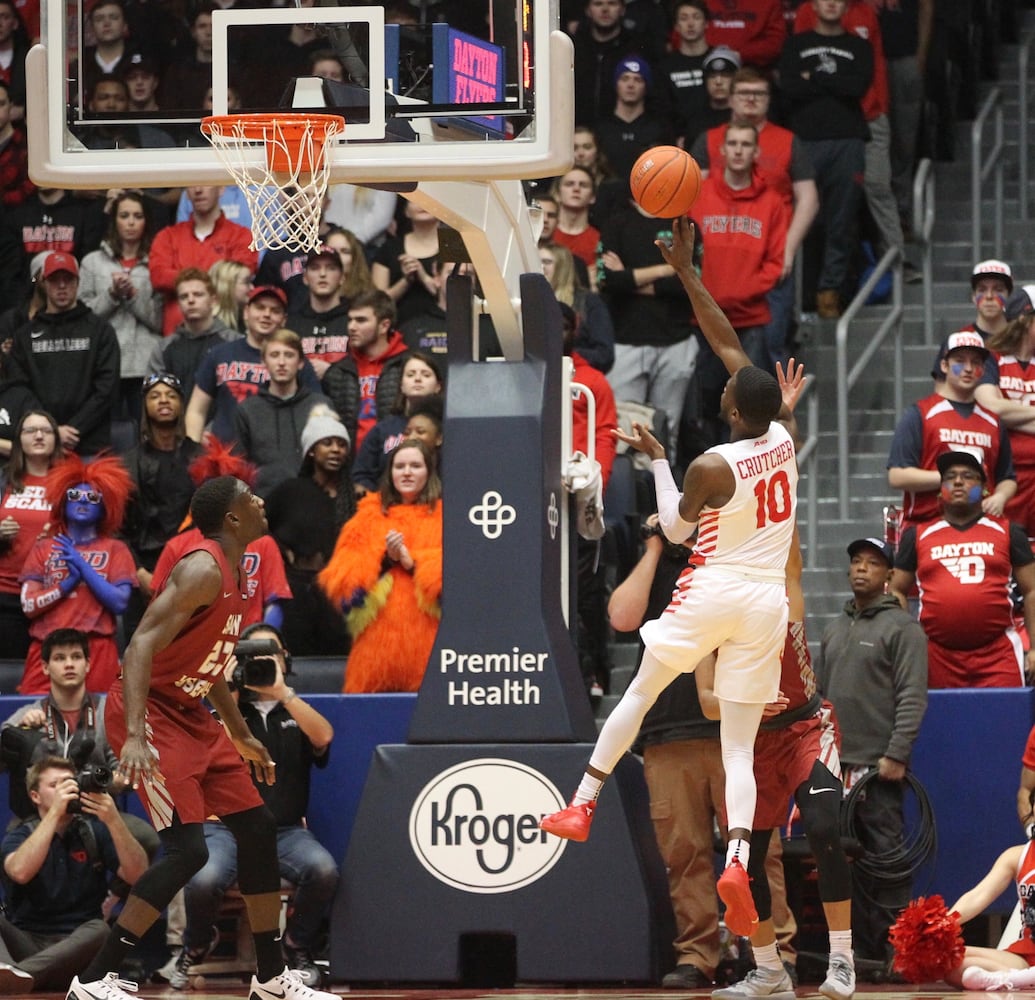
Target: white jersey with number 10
(751,532)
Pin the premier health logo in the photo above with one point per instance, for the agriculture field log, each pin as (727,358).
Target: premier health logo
(475,826)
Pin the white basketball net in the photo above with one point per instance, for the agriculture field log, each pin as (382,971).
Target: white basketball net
(285,190)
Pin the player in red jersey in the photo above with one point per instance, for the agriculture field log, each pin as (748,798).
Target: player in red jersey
(185,765)
(796,754)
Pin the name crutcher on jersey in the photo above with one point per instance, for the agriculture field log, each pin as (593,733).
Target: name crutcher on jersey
(757,465)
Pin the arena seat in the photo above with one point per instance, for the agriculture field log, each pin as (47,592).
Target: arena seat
(10,675)
(316,674)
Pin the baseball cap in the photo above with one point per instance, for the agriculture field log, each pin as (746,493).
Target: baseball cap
(1020,303)
(947,459)
(634,64)
(277,293)
(57,262)
(878,544)
(722,59)
(324,253)
(139,62)
(992,269)
(965,339)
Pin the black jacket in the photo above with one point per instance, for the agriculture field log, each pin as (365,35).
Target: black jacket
(70,360)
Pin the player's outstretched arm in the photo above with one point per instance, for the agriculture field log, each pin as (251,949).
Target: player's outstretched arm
(194,583)
(714,324)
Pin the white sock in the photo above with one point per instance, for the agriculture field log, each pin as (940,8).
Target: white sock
(841,944)
(767,956)
(739,849)
(588,790)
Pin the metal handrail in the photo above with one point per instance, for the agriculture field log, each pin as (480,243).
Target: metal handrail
(980,170)
(923,229)
(846,379)
(808,462)
(1023,83)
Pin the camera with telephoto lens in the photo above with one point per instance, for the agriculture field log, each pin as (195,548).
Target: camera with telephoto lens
(256,663)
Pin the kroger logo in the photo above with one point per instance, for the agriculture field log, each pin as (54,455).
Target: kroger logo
(475,826)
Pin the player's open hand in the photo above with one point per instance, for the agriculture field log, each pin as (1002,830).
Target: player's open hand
(138,763)
(792,382)
(263,768)
(680,252)
(641,439)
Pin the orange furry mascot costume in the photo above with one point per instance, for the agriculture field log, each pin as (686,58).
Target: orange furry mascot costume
(392,614)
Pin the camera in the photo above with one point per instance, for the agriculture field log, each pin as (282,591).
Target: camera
(91,778)
(256,663)
(650,530)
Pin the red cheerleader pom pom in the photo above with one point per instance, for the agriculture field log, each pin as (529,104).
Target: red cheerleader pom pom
(927,939)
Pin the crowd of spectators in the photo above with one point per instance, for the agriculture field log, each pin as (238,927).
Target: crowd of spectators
(141,321)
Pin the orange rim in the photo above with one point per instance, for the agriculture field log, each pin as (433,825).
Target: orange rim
(259,126)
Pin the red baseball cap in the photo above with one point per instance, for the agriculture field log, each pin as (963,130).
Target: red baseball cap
(277,293)
(57,261)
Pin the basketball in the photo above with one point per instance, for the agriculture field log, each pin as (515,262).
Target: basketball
(665,181)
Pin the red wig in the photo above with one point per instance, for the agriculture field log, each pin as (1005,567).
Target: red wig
(218,459)
(106,474)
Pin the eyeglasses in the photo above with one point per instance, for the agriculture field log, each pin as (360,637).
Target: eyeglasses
(166,378)
(33,431)
(77,495)
(752,95)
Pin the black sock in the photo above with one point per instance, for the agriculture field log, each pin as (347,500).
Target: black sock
(269,959)
(110,957)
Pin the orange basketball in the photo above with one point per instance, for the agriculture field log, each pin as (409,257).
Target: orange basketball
(665,181)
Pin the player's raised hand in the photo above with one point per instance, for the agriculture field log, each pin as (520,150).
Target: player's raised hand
(641,439)
(680,252)
(792,382)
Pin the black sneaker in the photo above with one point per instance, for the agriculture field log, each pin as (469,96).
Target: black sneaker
(301,961)
(686,977)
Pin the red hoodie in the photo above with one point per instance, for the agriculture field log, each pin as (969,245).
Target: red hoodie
(369,371)
(744,233)
(755,29)
(606,416)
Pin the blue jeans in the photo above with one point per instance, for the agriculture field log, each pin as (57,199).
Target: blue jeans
(303,861)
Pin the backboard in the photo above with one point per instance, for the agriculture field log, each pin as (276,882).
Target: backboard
(485,96)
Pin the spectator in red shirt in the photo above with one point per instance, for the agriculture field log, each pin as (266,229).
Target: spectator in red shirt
(207,236)
(753,28)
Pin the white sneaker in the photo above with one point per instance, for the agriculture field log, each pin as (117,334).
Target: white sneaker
(289,985)
(840,981)
(108,988)
(772,984)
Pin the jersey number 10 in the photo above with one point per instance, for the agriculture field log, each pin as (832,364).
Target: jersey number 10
(774,499)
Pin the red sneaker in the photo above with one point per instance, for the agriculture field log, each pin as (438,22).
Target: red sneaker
(735,891)
(571,823)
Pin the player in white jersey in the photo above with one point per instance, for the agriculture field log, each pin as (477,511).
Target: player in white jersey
(741,499)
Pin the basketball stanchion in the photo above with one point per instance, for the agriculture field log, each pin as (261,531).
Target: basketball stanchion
(284,188)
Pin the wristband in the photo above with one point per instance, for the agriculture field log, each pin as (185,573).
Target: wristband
(291,696)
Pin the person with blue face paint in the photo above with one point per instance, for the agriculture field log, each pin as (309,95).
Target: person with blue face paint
(78,575)
(948,419)
(962,563)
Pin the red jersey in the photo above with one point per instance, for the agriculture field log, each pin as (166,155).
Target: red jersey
(32,512)
(945,429)
(262,564)
(186,669)
(963,576)
(44,570)
(1025,944)
(797,678)
(1017,381)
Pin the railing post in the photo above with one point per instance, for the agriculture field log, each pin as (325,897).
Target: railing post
(923,229)
(980,169)
(1023,85)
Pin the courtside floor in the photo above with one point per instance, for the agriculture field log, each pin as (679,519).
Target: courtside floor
(227,988)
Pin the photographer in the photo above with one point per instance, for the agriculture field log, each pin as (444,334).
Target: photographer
(297,738)
(56,867)
(66,722)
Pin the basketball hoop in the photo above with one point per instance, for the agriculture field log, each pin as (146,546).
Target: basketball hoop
(285,190)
